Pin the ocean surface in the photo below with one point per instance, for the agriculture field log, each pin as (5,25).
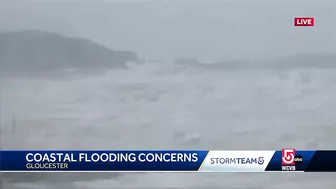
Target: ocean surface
(156,106)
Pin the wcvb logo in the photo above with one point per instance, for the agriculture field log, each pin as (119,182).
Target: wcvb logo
(304,21)
(288,156)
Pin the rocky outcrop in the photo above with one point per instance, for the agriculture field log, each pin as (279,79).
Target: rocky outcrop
(43,51)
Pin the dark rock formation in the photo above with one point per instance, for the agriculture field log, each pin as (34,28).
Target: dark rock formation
(35,51)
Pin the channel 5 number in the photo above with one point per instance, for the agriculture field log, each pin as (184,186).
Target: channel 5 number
(288,156)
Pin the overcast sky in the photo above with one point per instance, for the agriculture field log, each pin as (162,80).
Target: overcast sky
(206,29)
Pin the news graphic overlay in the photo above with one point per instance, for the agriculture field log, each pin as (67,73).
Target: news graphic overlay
(135,161)
(304,21)
(169,161)
(303,160)
(78,161)
(236,161)
(289,159)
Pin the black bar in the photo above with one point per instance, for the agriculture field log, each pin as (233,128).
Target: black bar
(323,161)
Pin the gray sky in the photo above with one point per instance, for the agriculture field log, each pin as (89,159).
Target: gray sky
(170,29)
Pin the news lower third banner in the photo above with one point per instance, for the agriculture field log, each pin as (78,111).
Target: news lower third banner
(168,161)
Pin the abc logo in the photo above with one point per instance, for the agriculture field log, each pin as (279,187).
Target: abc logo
(298,159)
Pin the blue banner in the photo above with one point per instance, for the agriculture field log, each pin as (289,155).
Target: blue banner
(303,160)
(169,160)
(276,163)
(102,160)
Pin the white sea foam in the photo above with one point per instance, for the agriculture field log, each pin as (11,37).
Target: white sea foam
(152,107)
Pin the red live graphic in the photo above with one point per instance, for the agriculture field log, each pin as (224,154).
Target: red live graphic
(288,156)
(304,21)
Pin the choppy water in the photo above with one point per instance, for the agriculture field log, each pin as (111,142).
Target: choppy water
(158,107)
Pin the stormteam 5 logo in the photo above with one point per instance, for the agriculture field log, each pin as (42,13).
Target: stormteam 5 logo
(289,159)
